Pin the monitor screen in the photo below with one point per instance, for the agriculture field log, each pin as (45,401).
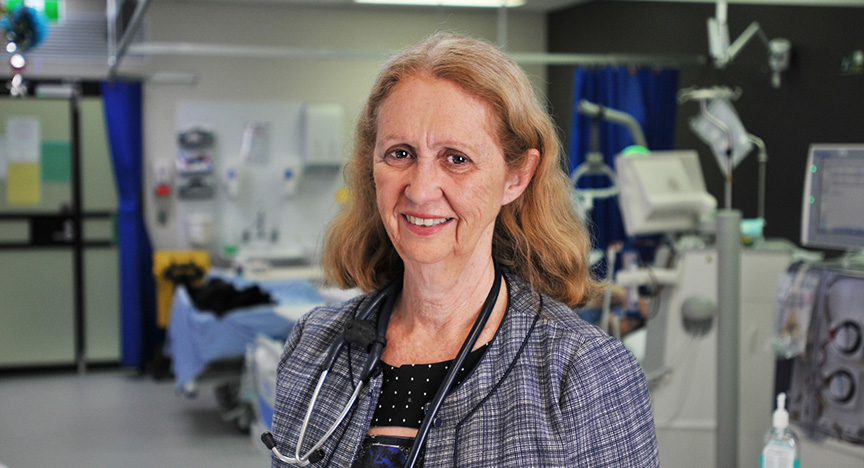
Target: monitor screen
(832,214)
(663,192)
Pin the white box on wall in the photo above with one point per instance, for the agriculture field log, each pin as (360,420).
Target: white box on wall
(322,135)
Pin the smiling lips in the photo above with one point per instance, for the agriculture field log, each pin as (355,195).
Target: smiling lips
(426,222)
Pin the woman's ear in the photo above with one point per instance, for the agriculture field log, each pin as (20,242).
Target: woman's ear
(518,180)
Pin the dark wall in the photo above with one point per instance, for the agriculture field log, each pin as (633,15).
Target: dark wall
(814,104)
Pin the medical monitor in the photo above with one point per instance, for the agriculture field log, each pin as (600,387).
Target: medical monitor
(832,213)
(662,192)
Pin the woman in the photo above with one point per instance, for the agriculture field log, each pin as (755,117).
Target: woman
(456,175)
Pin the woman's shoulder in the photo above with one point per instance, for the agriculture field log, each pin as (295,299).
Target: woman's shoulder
(549,311)
(317,329)
(560,330)
(332,315)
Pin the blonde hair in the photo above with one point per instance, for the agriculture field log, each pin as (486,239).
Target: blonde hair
(538,236)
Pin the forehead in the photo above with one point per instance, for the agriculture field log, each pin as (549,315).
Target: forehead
(435,103)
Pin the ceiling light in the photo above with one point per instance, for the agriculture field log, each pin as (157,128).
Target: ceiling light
(454,3)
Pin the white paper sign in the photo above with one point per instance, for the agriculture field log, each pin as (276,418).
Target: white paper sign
(23,139)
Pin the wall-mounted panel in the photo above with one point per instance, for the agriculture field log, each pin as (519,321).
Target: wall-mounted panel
(36,310)
(102,304)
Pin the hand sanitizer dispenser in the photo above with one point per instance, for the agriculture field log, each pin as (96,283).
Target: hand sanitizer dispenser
(781,444)
(232,182)
(290,179)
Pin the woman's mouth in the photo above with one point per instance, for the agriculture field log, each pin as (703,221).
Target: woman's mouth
(426,222)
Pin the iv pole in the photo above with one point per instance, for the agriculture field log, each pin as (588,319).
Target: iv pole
(728,243)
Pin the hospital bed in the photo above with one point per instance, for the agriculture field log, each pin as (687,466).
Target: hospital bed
(198,339)
(258,387)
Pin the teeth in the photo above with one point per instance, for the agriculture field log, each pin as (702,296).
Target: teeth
(425,221)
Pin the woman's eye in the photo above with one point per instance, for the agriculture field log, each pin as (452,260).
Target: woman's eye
(458,159)
(399,154)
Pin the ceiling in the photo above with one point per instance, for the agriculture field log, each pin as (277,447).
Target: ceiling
(532,5)
(551,5)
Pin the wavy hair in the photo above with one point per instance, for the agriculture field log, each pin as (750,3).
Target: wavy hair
(538,236)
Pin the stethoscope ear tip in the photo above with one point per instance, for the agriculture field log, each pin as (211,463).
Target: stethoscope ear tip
(268,440)
(316,456)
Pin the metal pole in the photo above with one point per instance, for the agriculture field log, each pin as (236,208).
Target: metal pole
(111,24)
(78,233)
(192,49)
(727,185)
(728,305)
(763,160)
(126,39)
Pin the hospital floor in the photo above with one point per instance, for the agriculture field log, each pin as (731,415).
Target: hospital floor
(107,419)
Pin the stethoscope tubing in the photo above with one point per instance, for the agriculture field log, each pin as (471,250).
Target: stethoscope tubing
(360,386)
(366,372)
(371,366)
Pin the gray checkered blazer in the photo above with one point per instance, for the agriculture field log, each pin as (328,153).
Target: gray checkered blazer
(550,391)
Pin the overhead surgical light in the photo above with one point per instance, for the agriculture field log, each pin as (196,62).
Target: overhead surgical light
(722,52)
(453,3)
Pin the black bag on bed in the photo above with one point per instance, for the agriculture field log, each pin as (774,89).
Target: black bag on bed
(220,297)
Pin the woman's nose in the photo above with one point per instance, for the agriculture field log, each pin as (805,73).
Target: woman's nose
(424,182)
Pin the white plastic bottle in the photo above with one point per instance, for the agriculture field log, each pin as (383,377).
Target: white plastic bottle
(781,444)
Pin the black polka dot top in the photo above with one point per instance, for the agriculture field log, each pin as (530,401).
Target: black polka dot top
(407,389)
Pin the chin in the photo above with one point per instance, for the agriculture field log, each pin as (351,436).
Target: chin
(424,259)
(415,255)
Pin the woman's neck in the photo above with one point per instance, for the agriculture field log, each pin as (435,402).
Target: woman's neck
(436,310)
(440,296)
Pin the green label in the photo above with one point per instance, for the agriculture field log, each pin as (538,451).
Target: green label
(796,464)
(51,8)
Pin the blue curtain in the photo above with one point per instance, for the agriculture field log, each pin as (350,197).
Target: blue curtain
(122,102)
(649,95)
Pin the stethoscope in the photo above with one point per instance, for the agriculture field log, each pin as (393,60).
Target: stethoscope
(362,332)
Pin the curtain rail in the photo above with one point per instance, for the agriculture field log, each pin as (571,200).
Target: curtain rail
(525,58)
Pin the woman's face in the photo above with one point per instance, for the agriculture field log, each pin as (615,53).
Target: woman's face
(440,174)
